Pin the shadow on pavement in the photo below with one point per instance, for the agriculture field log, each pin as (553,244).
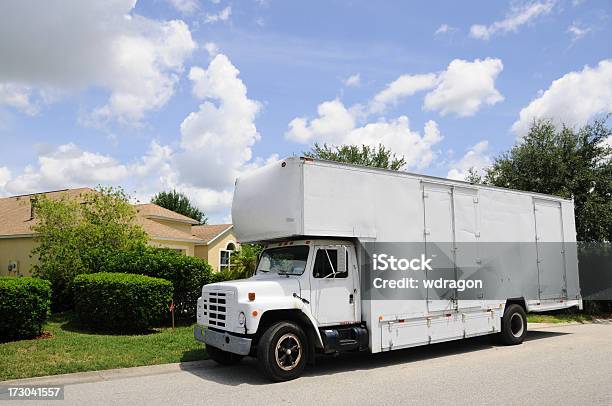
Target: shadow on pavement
(247,371)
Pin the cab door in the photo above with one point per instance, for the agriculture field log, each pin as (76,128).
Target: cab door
(335,294)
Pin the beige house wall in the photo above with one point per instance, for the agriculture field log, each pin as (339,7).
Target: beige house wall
(201,251)
(212,251)
(177,225)
(17,249)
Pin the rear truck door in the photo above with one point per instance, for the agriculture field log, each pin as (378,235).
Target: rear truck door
(439,243)
(550,249)
(467,249)
(335,295)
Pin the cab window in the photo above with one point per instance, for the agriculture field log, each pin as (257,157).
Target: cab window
(326,264)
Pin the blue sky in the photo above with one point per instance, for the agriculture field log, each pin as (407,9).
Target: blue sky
(189,94)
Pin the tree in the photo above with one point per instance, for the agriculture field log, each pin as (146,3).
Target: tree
(179,203)
(567,163)
(243,263)
(76,235)
(379,157)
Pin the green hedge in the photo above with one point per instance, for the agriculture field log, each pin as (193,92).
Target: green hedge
(24,307)
(187,274)
(121,302)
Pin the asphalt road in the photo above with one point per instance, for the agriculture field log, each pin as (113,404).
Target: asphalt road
(569,364)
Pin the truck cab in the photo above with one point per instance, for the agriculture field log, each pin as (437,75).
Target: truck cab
(303,298)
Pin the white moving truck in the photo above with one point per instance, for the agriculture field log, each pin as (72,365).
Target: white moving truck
(342,243)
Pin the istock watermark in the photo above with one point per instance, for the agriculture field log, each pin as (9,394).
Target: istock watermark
(383,262)
(440,283)
(388,262)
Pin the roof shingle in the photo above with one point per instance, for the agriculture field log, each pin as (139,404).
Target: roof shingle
(16,211)
(209,232)
(152,210)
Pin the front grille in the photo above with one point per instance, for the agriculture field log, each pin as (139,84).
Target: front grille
(215,308)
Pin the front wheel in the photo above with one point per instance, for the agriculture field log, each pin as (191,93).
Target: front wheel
(282,351)
(223,357)
(514,325)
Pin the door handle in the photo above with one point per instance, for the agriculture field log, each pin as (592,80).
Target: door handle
(351,298)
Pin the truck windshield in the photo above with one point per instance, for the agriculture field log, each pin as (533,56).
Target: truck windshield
(284,260)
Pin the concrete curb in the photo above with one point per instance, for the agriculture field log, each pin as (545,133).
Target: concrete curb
(107,374)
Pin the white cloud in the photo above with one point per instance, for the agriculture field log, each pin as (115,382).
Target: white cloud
(18,97)
(517,17)
(353,80)
(573,99)
(5,177)
(211,48)
(67,166)
(405,85)
(332,125)
(461,89)
(185,6)
(101,44)
(577,31)
(222,15)
(216,140)
(155,161)
(215,148)
(465,86)
(444,29)
(475,158)
(336,124)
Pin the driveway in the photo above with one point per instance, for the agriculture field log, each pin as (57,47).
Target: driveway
(567,364)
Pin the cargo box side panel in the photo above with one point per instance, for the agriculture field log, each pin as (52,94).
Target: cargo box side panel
(268,202)
(509,254)
(357,202)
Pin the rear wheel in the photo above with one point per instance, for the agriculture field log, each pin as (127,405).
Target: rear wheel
(223,357)
(282,351)
(514,325)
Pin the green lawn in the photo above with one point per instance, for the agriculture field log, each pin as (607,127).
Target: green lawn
(558,318)
(72,349)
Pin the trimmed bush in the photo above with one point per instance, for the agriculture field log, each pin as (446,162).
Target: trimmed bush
(121,302)
(24,307)
(187,274)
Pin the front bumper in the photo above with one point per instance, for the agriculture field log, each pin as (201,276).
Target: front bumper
(222,340)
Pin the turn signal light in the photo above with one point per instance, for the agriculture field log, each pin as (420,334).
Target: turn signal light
(251,296)
(254,313)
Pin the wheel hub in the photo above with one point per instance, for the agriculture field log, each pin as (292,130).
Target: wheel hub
(288,352)
(517,325)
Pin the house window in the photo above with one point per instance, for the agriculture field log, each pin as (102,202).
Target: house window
(224,256)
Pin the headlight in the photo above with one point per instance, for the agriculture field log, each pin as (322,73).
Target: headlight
(241,319)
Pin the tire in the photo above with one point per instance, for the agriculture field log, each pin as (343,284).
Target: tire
(223,357)
(513,325)
(282,351)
